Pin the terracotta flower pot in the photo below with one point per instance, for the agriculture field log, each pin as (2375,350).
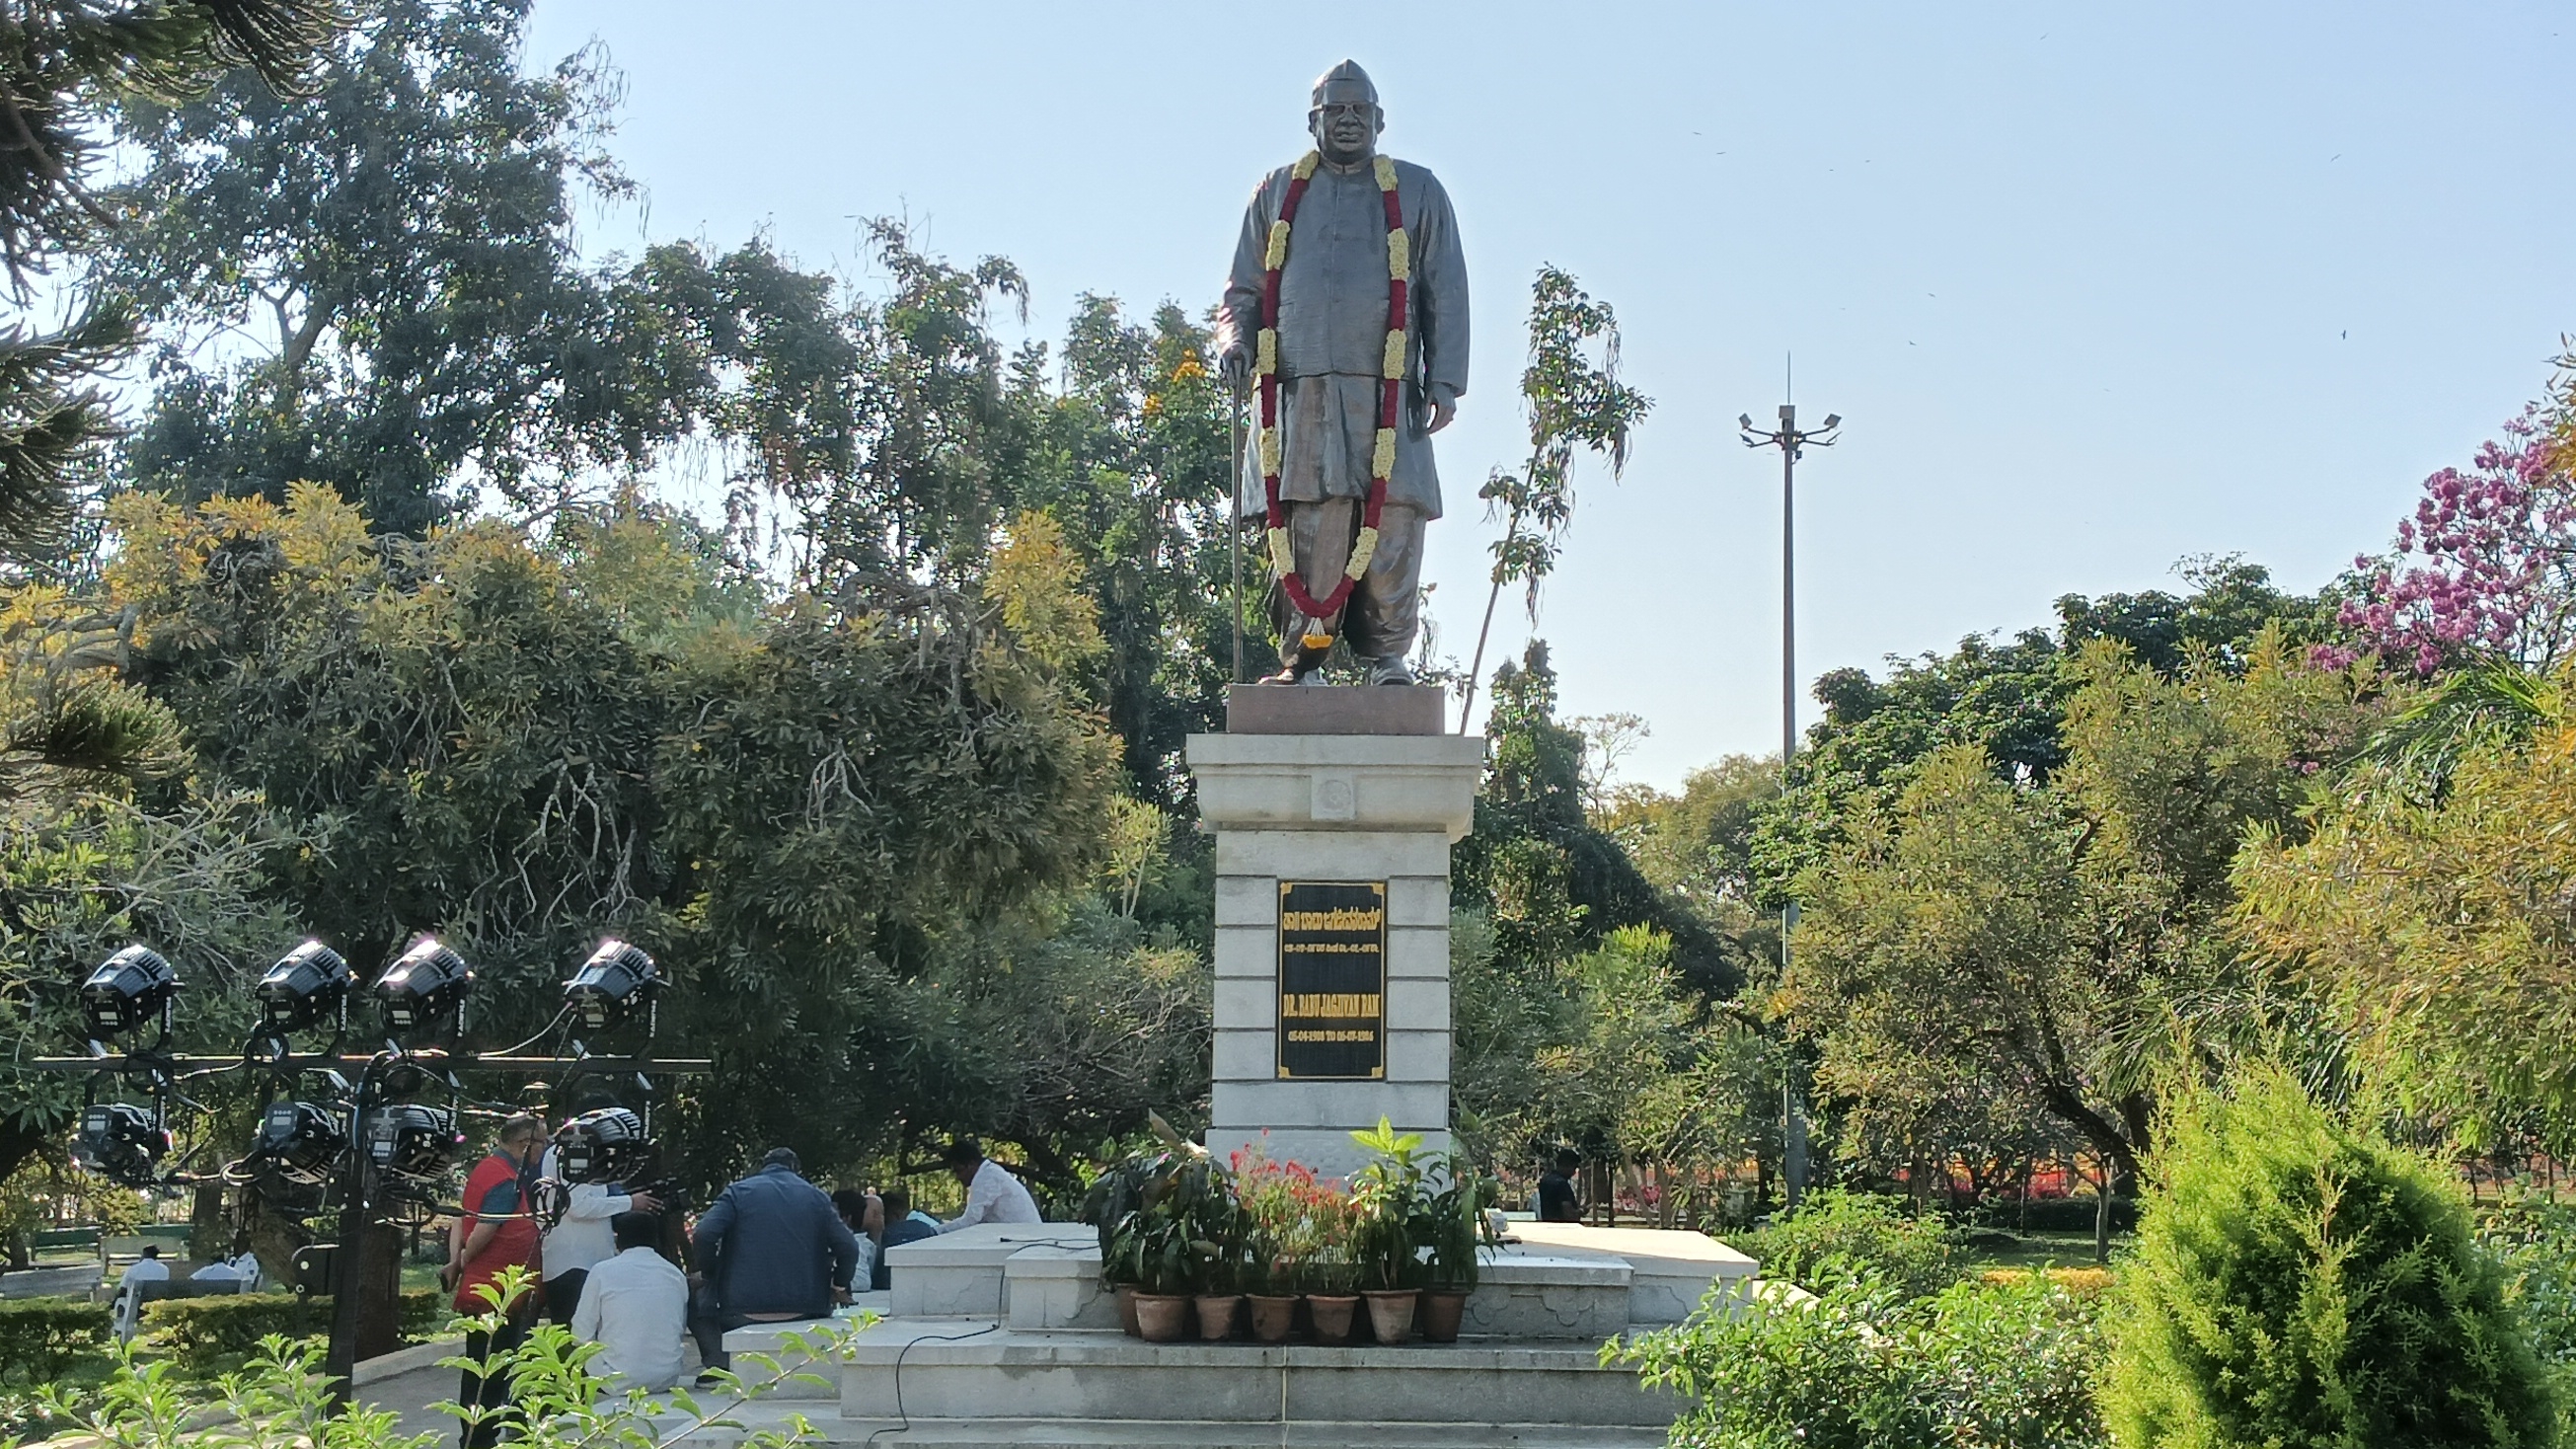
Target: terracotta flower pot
(1273,1318)
(1332,1315)
(1127,1310)
(1217,1313)
(1391,1314)
(1441,1310)
(1160,1317)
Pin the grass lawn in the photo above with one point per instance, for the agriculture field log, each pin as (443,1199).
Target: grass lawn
(2042,1250)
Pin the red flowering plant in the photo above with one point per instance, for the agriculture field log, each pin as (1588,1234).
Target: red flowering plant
(1300,1224)
(2485,569)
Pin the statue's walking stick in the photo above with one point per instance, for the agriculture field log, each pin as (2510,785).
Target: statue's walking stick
(1234,535)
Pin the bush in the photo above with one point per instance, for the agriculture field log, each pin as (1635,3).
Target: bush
(202,1333)
(2301,1282)
(39,1337)
(1980,1365)
(2537,1241)
(1835,1233)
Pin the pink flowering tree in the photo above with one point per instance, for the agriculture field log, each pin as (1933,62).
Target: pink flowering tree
(2485,569)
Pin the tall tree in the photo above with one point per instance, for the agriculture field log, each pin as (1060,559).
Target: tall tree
(63,64)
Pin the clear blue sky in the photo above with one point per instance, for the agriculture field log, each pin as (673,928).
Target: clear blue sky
(2095,287)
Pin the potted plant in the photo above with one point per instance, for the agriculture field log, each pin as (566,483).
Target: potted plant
(1276,1201)
(1386,1209)
(1330,1279)
(1120,1204)
(1453,1227)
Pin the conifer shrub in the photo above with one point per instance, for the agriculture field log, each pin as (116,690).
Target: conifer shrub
(2302,1282)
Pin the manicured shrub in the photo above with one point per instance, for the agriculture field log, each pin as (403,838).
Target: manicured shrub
(39,1337)
(1836,1233)
(2537,1241)
(201,1333)
(1980,1365)
(2301,1282)
(2054,1214)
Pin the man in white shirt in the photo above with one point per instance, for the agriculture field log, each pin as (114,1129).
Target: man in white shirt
(128,1308)
(635,1306)
(580,1239)
(992,1194)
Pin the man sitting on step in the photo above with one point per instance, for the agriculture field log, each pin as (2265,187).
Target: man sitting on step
(992,1194)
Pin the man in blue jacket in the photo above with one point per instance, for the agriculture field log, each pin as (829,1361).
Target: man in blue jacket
(769,1249)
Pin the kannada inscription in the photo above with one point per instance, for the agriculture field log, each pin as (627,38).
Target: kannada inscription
(1332,980)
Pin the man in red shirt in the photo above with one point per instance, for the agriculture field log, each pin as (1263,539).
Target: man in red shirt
(497,1230)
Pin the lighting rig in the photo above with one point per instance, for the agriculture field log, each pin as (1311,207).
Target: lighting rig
(365,1145)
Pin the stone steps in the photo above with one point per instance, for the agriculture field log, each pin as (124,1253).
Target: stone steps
(993,1433)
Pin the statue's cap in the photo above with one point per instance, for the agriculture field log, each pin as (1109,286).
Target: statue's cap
(1345,82)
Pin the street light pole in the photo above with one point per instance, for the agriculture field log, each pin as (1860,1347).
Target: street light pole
(1791,442)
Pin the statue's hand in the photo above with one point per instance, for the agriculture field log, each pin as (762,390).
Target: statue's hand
(1443,410)
(1233,368)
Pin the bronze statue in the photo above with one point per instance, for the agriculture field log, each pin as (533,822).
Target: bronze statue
(1370,348)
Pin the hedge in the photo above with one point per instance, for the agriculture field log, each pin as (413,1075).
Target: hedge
(2055,1214)
(39,1337)
(200,1332)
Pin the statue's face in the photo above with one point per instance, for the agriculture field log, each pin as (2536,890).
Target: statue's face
(1345,124)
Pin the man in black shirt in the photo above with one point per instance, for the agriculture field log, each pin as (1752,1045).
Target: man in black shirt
(1556,1198)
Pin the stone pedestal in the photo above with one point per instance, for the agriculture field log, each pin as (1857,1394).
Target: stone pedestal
(1346,799)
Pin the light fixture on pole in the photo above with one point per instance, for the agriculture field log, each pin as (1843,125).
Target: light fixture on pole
(1791,442)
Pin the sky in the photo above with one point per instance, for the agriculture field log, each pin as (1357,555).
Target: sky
(2095,288)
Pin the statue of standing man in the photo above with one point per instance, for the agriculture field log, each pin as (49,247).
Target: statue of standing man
(1347,312)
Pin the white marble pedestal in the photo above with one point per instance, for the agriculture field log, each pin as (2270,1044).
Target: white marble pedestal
(1347,787)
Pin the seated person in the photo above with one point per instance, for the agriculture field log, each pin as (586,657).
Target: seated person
(635,1306)
(242,1267)
(1557,1202)
(992,1194)
(128,1310)
(902,1225)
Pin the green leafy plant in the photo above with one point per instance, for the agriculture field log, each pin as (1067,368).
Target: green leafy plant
(2301,1281)
(39,1337)
(1451,1223)
(204,1334)
(2536,1239)
(1386,1208)
(1836,1233)
(1863,1365)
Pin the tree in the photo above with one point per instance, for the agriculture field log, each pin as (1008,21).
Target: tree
(2435,928)
(62,64)
(398,253)
(2486,567)
(1573,404)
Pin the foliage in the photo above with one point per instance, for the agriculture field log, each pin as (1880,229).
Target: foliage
(282,1397)
(1574,404)
(2064,937)
(1979,1366)
(2536,1239)
(1451,1225)
(1300,1225)
(1386,1207)
(63,66)
(202,1334)
(2299,1281)
(2438,933)
(2486,568)
(39,1337)
(1837,1234)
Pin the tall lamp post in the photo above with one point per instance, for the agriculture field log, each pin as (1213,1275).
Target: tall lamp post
(1791,442)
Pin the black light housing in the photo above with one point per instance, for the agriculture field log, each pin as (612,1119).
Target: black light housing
(307,984)
(424,990)
(607,1145)
(615,983)
(121,1142)
(127,990)
(300,1142)
(411,1143)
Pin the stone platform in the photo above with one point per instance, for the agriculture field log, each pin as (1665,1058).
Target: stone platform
(1002,1335)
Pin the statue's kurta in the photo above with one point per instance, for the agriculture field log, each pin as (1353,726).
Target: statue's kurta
(1332,343)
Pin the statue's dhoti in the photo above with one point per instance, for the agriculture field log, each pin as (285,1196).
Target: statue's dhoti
(1327,434)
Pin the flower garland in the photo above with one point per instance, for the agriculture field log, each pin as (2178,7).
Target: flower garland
(1265,366)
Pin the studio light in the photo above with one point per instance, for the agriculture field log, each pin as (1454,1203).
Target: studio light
(121,1142)
(300,1142)
(306,985)
(425,989)
(127,990)
(612,985)
(607,1145)
(412,1143)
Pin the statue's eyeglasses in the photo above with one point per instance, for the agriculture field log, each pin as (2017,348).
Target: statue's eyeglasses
(1338,109)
